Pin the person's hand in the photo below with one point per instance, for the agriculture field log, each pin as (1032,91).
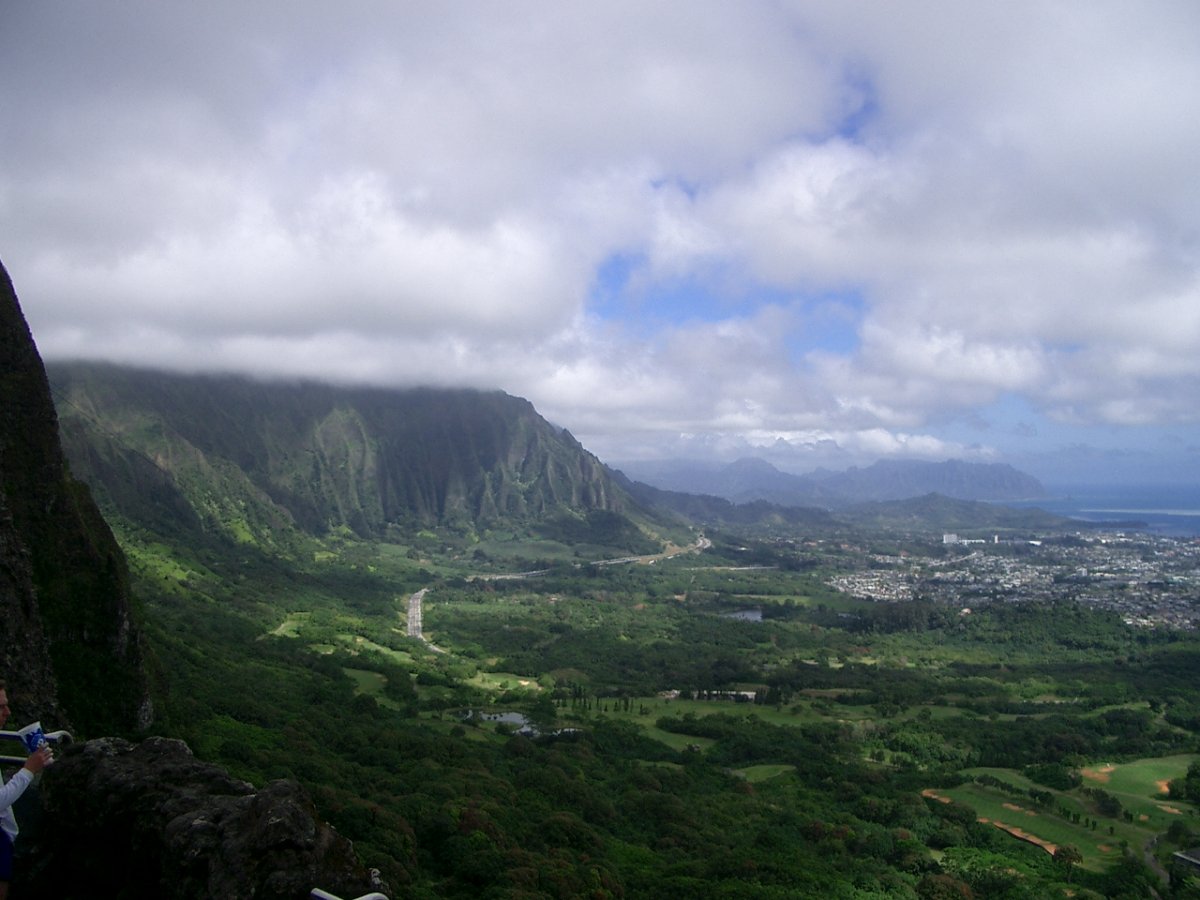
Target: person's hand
(39,759)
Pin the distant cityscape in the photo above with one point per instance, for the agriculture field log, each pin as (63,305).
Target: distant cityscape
(1152,581)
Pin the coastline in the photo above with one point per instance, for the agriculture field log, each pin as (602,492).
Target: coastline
(1163,509)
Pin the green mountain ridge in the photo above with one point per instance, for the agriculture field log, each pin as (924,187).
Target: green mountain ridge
(941,513)
(263,462)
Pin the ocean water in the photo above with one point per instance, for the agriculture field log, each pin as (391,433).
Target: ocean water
(1172,510)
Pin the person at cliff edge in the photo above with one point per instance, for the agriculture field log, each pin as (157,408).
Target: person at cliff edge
(8,796)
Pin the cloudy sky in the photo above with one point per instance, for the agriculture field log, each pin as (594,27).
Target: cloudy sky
(833,231)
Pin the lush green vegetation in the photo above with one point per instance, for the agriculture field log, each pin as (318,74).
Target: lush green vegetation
(606,702)
(820,747)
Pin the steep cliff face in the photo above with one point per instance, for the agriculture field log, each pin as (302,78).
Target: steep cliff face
(254,459)
(24,653)
(70,644)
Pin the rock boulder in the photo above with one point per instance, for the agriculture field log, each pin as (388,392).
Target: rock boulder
(149,820)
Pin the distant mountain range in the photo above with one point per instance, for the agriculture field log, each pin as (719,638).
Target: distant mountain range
(266,463)
(748,480)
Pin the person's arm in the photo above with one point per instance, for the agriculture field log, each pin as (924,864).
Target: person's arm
(37,761)
(15,788)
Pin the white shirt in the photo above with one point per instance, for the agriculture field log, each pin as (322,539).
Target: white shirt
(8,796)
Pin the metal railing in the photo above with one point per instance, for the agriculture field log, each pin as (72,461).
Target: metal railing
(54,737)
(318,894)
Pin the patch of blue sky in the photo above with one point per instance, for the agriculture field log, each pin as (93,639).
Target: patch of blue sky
(609,298)
(1016,429)
(624,293)
(862,106)
(691,300)
(1009,420)
(827,323)
(690,189)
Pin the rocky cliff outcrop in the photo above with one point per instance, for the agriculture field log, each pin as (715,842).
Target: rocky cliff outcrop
(68,641)
(148,820)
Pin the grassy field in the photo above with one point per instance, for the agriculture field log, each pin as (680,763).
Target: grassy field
(1139,786)
(659,707)
(503,681)
(677,741)
(794,713)
(356,643)
(290,626)
(756,774)
(1045,828)
(370,684)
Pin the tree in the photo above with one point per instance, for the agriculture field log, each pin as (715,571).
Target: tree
(1191,782)
(543,713)
(1068,856)
(943,887)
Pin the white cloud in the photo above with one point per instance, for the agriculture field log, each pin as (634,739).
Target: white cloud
(398,192)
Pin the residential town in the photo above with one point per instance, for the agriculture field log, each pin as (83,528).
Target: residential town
(1152,581)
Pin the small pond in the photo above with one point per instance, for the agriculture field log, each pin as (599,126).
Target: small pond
(750,614)
(520,723)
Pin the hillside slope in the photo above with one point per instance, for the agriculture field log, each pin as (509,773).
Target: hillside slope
(257,460)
